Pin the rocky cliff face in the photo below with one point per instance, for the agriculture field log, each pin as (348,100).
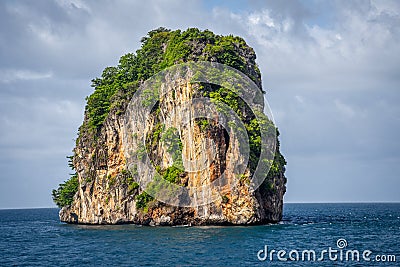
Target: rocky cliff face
(116,171)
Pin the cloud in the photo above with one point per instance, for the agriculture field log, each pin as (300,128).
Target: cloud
(78,39)
(344,108)
(299,99)
(361,41)
(33,127)
(7,76)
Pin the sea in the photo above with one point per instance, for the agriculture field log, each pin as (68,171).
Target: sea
(361,234)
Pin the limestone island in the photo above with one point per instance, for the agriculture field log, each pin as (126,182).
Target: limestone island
(160,156)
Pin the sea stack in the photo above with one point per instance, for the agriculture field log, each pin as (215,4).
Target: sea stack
(161,164)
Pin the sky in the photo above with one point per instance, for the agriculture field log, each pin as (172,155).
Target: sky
(331,70)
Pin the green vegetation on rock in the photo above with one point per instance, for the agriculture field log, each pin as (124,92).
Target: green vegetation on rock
(172,174)
(64,195)
(142,200)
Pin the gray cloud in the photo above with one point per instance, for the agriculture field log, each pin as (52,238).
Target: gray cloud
(330,69)
(335,93)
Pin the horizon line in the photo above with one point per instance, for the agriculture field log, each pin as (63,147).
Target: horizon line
(289,202)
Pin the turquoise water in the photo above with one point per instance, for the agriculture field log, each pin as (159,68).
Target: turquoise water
(35,237)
